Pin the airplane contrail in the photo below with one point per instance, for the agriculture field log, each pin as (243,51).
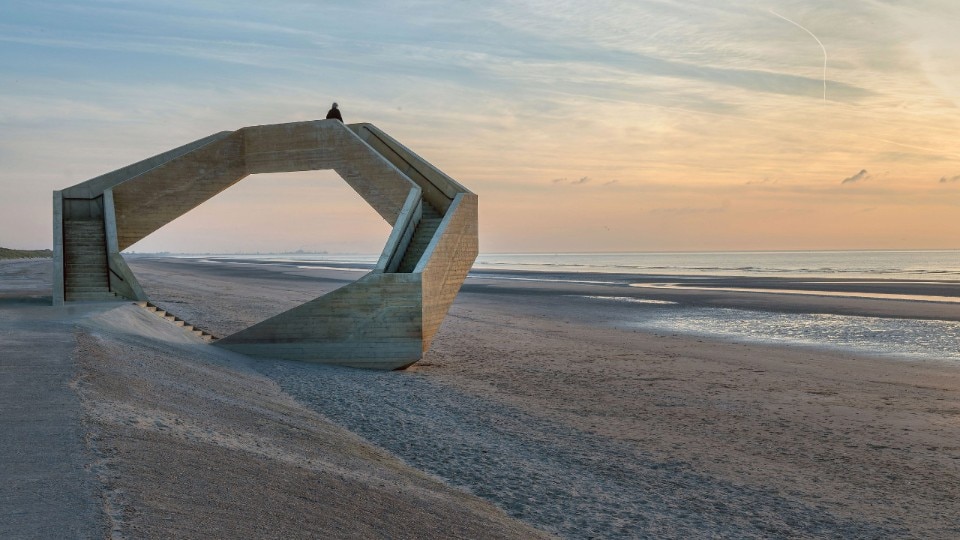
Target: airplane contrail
(824,49)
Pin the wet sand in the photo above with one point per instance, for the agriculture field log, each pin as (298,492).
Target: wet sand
(537,402)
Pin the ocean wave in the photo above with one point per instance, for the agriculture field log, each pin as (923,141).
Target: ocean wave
(629,299)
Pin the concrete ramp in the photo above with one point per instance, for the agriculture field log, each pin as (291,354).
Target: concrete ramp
(385,320)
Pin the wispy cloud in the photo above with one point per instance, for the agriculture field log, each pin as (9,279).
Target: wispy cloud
(578,182)
(859,177)
(948,179)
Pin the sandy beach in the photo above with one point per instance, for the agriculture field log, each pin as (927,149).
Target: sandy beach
(537,411)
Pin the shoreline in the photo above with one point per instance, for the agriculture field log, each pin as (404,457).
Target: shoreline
(709,291)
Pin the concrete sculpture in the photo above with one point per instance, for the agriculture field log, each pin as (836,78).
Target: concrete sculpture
(385,320)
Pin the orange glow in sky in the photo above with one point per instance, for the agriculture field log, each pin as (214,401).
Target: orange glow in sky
(582,126)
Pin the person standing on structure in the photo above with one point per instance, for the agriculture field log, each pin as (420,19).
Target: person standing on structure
(334,113)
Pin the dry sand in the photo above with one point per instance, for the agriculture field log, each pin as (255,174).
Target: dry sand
(542,405)
(186,441)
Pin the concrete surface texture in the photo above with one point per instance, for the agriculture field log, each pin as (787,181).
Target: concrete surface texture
(47,489)
(384,321)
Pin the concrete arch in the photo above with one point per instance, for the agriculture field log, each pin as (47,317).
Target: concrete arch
(385,320)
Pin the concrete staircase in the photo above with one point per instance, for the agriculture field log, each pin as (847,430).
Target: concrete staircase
(429,222)
(85,262)
(177,321)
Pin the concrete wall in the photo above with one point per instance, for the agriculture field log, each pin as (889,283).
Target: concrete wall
(95,186)
(374,322)
(447,261)
(58,269)
(149,201)
(155,197)
(328,144)
(438,188)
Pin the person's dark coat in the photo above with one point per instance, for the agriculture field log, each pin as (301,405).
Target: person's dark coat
(334,113)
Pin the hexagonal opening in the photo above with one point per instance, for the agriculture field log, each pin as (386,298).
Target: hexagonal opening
(248,292)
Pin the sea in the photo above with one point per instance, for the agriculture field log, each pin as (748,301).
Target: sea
(907,339)
(901,265)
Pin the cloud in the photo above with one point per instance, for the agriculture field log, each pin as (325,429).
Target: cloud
(862,175)
(945,179)
(766,180)
(611,183)
(580,181)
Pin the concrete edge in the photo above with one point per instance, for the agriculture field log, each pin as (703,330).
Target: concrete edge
(58,277)
(402,233)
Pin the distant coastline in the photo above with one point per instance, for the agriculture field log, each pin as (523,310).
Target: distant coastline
(7,253)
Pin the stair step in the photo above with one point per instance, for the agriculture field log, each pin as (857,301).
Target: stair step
(177,321)
(102,284)
(91,296)
(426,230)
(87,284)
(86,271)
(86,277)
(86,255)
(80,279)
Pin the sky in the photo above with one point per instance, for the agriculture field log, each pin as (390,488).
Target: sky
(599,125)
